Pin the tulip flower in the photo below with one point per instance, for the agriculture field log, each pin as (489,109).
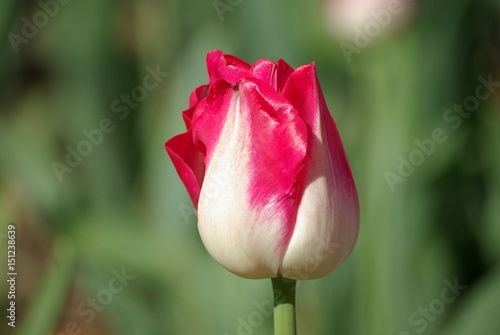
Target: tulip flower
(266,170)
(365,19)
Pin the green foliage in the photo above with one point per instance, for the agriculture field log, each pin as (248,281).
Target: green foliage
(123,205)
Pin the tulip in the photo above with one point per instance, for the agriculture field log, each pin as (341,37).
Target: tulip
(352,19)
(266,170)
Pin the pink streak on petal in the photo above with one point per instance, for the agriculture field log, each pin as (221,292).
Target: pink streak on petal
(277,140)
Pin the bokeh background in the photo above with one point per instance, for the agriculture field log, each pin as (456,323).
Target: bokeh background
(122,208)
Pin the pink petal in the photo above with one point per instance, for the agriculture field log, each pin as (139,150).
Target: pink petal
(304,92)
(301,90)
(275,74)
(226,67)
(197,95)
(236,62)
(188,163)
(210,117)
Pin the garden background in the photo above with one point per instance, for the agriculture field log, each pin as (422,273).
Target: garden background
(108,243)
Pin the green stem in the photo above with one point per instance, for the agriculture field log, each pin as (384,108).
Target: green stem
(284,306)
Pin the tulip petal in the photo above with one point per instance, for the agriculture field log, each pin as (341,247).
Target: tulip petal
(226,67)
(256,145)
(197,95)
(188,163)
(327,223)
(275,74)
(210,117)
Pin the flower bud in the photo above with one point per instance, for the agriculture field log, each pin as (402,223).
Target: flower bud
(264,165)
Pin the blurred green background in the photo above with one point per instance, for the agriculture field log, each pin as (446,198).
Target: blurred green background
(122,208)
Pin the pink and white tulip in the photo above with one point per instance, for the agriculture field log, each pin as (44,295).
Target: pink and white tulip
(264,165)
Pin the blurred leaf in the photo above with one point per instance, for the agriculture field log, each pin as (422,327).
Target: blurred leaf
(48,303)
(480,313)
